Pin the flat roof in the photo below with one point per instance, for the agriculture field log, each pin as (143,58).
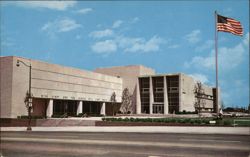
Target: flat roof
(62,66)
(165,74)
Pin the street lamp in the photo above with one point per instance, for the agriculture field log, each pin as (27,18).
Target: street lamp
(29,94)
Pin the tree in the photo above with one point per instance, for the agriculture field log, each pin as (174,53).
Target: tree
(222,105)
(199,92)
(126,101)
(26,101)
(113,101)
(249,108)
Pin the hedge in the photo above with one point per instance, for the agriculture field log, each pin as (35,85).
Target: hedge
(195,121)
(27,117)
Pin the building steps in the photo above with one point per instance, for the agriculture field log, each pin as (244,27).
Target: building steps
(65,122)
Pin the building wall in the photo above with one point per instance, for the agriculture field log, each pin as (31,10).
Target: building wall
(39,107)
(180,93)
(208,97)
(52,81)
(6,65)
(188,97)
(130,75)
(187,93)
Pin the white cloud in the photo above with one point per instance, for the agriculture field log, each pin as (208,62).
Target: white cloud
(174,46)
(198,61)
(135,19)
(227,11)
(200,77)
(207,45)
(60,25)
(104,47)
(125,42)
(246,40)
(101,33)
(78,37)
(141,45)
(232,97)
(84,11)
(117,24)
(6,42)
(228,57)
(54,5)
(193,37)
(128,44)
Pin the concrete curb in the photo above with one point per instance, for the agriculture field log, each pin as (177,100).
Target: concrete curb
(141,129)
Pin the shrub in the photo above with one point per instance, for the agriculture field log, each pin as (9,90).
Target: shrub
(167,120)
(57,116)
(173,120)
(118,119)
(187,120)
(132,120)
(197,121)
(126,119)
(80,115)
(183,121)
(27,117)
(158,120)
(227,122)
(186,112)
(205,121)
(219,122)
(192,121)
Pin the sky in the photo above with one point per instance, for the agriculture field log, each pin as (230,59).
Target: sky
(168,36)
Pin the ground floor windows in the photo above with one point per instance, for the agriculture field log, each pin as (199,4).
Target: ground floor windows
(145,108)
(173,109)
(158,108)
(91,107)
(61,107)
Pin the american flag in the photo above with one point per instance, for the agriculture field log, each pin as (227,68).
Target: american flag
(226,24)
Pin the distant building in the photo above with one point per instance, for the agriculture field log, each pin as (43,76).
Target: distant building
(58,90)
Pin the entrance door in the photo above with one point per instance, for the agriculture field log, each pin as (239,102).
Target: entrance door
(158,108)
(62,107)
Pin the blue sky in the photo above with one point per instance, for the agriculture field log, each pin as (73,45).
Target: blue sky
(169,36)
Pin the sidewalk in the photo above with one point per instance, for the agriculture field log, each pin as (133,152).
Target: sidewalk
(141,129)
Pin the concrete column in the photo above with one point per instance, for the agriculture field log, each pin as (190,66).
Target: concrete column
(138,98)
(180,93)
(151,96)
(79,108)
(103,109)
(49,110)
(165,95)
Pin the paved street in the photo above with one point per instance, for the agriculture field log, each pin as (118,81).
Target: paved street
(140,129)
(76,144)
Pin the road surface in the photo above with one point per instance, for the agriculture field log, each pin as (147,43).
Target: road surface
(79,144)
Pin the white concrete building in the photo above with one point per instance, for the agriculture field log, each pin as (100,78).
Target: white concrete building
(171,93)
(58,90)
(55,89)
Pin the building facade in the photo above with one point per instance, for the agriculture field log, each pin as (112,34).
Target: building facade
(55,89)
(59,90)
(171,93)
(129,75)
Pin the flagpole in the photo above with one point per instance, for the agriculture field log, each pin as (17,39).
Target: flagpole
(216,65)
